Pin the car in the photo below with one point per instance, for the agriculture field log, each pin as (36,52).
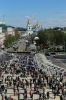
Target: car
(55,56)
(61,71)
(50,61)
(47,53)
(64,73)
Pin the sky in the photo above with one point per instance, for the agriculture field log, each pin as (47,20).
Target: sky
(48,13)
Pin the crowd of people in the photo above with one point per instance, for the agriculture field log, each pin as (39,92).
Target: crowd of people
(21,73)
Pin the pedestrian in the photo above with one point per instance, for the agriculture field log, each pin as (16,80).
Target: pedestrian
(62,89)
(61,98)
(5,80)
(31,94)
(54,94)
(48,95)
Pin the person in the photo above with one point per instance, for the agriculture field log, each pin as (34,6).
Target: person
(14,91)
(61,98)
(11,98)
(5,97)
(31,94)
(62,89)
(54,94)
(47,95)
(25,95)
(5,90)
(5,80)
(39,96)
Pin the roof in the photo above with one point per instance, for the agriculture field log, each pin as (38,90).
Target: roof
(5,26)
(10,26)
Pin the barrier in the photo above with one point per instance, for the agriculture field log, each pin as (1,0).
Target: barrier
(19,51)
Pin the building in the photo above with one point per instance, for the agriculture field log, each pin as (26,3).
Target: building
(5,29)
(2,38)
(37,27)
(33,29)
(29,28)
(10,30)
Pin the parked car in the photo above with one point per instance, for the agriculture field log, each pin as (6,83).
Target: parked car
(47,53)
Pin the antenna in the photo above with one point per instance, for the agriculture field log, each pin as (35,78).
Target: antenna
(3,19)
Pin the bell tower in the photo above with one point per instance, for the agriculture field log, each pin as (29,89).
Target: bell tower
(29,27)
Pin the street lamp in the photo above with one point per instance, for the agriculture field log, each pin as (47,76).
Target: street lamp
(26,43)
(36,39)
(64,46)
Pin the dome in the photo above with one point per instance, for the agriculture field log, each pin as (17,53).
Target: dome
(28,22)
(37,24)
(40,26)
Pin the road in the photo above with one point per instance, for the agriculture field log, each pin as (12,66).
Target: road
(21,45)
(57,61)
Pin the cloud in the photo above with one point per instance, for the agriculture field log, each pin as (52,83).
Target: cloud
(30,16)
(63,16)
(54,12)
(47,23)
(33,15)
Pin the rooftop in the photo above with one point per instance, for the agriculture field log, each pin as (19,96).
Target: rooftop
(5,26)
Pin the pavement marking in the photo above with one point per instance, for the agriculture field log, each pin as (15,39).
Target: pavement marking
(61,62)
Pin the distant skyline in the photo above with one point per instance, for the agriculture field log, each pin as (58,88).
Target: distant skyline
(48,13)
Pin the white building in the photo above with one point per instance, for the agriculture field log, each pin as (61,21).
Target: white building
(29,28)
(3,30)
(2,38)
(0,29)
(10,30)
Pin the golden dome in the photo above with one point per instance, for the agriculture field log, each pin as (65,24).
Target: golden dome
(37,24)
(40,26)
(28,22)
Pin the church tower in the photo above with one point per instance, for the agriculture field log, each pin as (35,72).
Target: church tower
(29,28)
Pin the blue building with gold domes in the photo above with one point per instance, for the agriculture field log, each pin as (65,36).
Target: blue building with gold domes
(33,29)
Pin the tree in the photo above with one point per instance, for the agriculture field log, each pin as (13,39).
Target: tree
(50,36)
(9,39)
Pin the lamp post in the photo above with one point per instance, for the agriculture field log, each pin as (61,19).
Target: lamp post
(53,46)
(26,43)
(36,39)
(64,46)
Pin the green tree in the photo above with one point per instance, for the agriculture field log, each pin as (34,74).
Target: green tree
(9,39)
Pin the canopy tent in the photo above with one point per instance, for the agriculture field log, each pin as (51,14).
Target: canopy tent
(32,47)
(24,35)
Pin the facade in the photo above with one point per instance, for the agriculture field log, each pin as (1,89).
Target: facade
(10,30)
(2,38)
(33,29)
(0,29)
(38,27)
(29,28)
(3,30)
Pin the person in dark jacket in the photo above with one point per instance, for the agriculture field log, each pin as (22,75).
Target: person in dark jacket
(47,95)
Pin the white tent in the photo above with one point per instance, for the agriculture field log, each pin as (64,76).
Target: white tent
(24,35)
(32,47)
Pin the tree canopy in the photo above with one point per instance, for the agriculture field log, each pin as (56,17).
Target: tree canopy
(9,39)
(50,35)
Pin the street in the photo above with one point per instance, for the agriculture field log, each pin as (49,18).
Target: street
(57,61)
